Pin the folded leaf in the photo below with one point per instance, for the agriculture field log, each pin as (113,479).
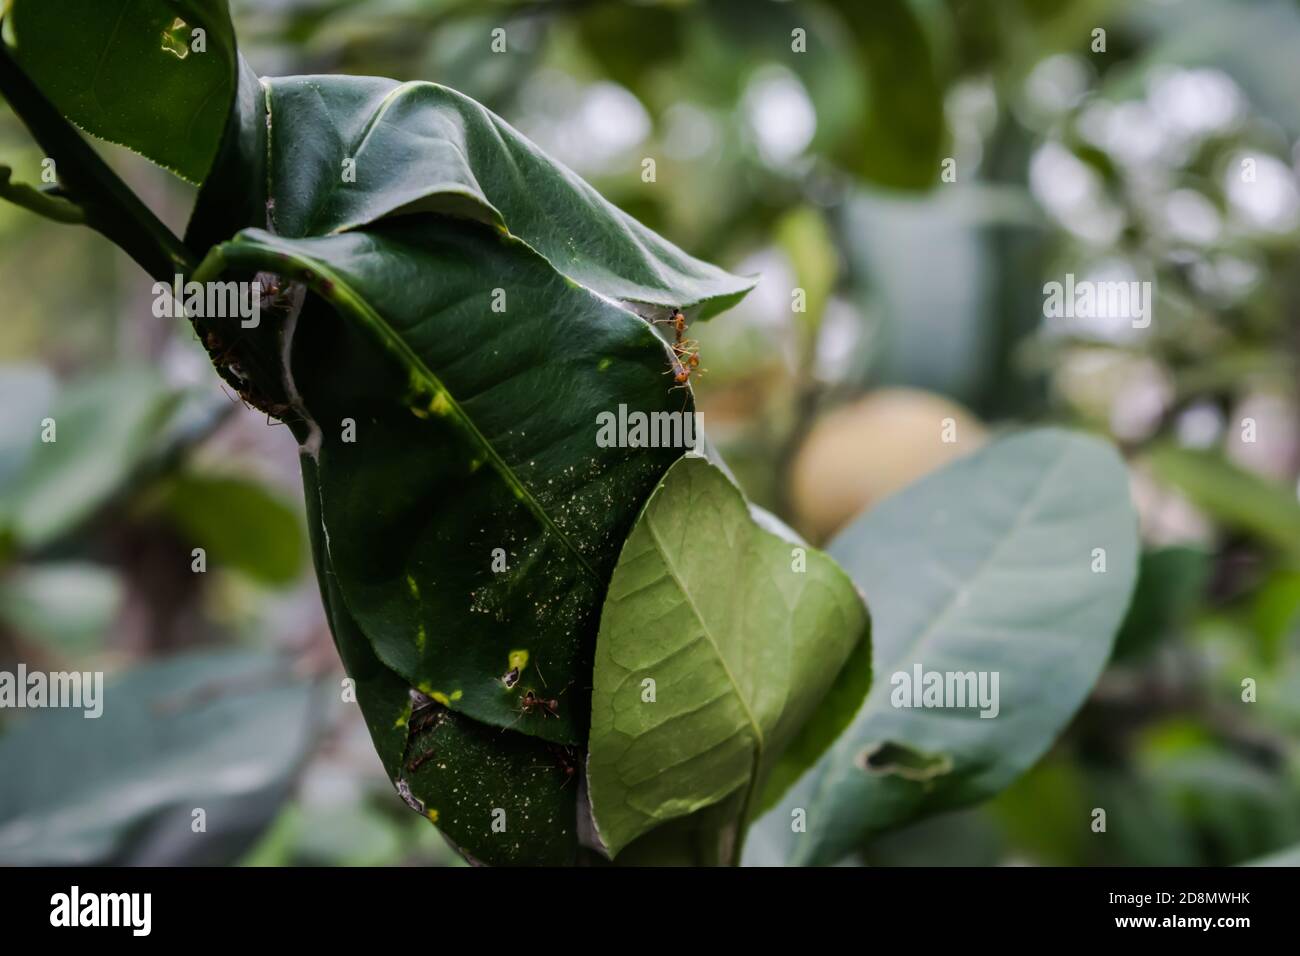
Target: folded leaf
(471,515)
(347,151)
(462,775)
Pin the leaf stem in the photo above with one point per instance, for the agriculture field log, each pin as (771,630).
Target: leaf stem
(106,203)
(49,205)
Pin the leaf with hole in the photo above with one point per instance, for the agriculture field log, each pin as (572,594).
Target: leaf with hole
(135,72)
(985,571)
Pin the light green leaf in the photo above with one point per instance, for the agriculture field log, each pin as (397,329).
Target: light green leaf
(128,71)
(240,524)
(985,567)
(740,645)
(1237,498)
(104,428)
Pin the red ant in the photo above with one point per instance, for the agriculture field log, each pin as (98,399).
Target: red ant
(418,761)
(564,759)
(684,363)
(426,714)
(686,352)
(677,320)
(532,702)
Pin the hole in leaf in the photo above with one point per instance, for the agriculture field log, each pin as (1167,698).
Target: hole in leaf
(176,39)
(900,760)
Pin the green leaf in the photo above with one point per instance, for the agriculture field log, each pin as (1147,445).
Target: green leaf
(221,731)
(234,193)
(475,444)
(450,769)
(104,428)
(1170,582)
(467,362)
(807,242)
(475,421)
(420,147)
(741,647)
(1238,499)
(127,71)
(239,523)
(453,402)
(983,567)
(904,134)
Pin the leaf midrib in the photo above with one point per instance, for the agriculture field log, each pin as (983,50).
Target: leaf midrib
(849,740)
(1030,504)
(759,742)
(343,294)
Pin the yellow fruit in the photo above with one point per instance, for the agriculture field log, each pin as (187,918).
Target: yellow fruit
(861,453)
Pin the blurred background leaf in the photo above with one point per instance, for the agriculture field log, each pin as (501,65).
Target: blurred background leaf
(239,523)
(221,732)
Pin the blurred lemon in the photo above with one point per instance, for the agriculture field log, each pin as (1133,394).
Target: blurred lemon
(859,454)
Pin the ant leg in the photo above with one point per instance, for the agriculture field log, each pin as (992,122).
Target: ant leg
(513,722)
(418,761)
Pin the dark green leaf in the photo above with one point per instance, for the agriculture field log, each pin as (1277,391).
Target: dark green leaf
(905,132)
(128,72)
(420,147)
(450,769)
(475,443)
